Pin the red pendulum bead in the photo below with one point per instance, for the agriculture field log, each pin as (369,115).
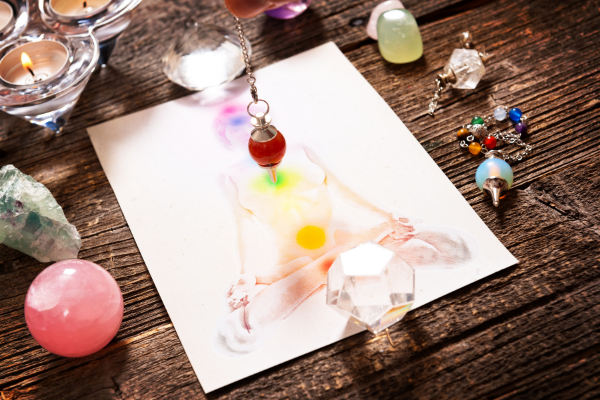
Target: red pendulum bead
(490,142)
(266,145)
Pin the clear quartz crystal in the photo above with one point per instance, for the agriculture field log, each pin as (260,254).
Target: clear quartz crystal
(371,285)
(467,67)
(204,56)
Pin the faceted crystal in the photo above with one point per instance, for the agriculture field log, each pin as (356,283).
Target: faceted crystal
(377,11)
(31,220)
(371,285)
(467,67)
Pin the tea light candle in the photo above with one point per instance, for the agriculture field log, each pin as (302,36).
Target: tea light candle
(78,8)
(6,15)
(34,62)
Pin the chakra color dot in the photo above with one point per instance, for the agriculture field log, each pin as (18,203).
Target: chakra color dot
(286,179)
(500,114)
(311,237)
(477,121)
(490,142)
(515,114)
(475,148)
(462,134)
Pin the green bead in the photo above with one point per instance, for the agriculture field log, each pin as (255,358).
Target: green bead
(477,121)
(399,37)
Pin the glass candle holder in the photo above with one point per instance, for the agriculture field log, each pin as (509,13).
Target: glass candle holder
(64,66)
(106,19)
(14,16)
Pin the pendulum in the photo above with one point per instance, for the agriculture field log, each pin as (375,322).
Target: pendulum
(463,71)
(495,176)
(266,144)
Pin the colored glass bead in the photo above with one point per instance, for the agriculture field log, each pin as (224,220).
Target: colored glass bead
(521,128)
(463,133)
(500,114)
(290,10)
(475,148)
(515,114)
(377,11)
(493,167)
(477,121)
(73,308)
(490,142)
(399,37)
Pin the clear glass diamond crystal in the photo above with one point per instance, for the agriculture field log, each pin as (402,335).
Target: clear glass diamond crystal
(467,67)
(371,285)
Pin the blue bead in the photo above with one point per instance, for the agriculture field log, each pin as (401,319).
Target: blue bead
(493,167)
(515,115)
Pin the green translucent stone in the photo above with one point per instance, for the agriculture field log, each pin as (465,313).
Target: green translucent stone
(477,121)
(399,37)
(31,220)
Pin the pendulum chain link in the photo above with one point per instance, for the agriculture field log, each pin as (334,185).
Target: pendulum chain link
(251,79)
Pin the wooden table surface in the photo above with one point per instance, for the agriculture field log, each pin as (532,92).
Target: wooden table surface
(531,331)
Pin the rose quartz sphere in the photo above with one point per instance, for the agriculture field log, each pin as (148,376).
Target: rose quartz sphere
(73,308)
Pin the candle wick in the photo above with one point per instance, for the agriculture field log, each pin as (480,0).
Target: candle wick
(31,71)
(85,4)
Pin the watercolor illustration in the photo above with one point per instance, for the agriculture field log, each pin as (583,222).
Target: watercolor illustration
(289,234)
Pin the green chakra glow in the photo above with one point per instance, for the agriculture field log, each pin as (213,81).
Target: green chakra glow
(286,179)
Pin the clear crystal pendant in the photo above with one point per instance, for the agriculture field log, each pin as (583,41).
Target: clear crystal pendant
(371,285)
(204,56)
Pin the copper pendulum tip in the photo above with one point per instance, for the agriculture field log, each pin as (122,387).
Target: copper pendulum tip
(272,174)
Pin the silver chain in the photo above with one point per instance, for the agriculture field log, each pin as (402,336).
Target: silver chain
(436,96)
(251,79)
(507,138)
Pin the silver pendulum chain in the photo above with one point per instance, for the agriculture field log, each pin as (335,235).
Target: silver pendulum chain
(251,79)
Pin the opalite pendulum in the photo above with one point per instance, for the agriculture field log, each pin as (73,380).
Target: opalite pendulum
(266,145)
(73,308)
(494,176)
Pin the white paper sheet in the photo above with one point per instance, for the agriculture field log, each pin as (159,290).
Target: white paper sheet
(171,167)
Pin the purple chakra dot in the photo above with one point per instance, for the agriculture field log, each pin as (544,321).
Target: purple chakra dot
(290,10)
(521,128)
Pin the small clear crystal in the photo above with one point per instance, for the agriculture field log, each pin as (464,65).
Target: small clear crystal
(467,67)
(31,220)
(371,285)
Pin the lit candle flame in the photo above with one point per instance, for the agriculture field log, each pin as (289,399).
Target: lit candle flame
(26,61)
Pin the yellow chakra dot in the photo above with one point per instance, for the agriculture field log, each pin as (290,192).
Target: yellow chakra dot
(475,148)
(311,237)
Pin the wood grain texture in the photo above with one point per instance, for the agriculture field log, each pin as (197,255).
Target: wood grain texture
(529,332)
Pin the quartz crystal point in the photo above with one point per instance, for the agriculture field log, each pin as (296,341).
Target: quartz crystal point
(31,220)
(371,285)
(467,67)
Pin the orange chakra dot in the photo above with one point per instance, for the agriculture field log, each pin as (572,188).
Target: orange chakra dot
(475,148)
(462,134)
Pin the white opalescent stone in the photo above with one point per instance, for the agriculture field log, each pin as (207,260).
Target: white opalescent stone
(500,114)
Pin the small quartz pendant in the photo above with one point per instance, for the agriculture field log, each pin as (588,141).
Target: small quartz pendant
(266,145)
(467,67)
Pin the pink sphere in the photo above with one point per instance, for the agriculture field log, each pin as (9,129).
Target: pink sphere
(73,308)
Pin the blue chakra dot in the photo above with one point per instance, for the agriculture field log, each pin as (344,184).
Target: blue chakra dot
(515,115)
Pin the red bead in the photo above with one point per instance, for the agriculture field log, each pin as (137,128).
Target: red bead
(268,153)
(490,142)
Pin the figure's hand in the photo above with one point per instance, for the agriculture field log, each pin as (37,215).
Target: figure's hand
(403,227)
(239,290)
(250,8)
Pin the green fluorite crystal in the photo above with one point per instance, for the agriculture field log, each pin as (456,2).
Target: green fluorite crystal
(399,37)
(31,220)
